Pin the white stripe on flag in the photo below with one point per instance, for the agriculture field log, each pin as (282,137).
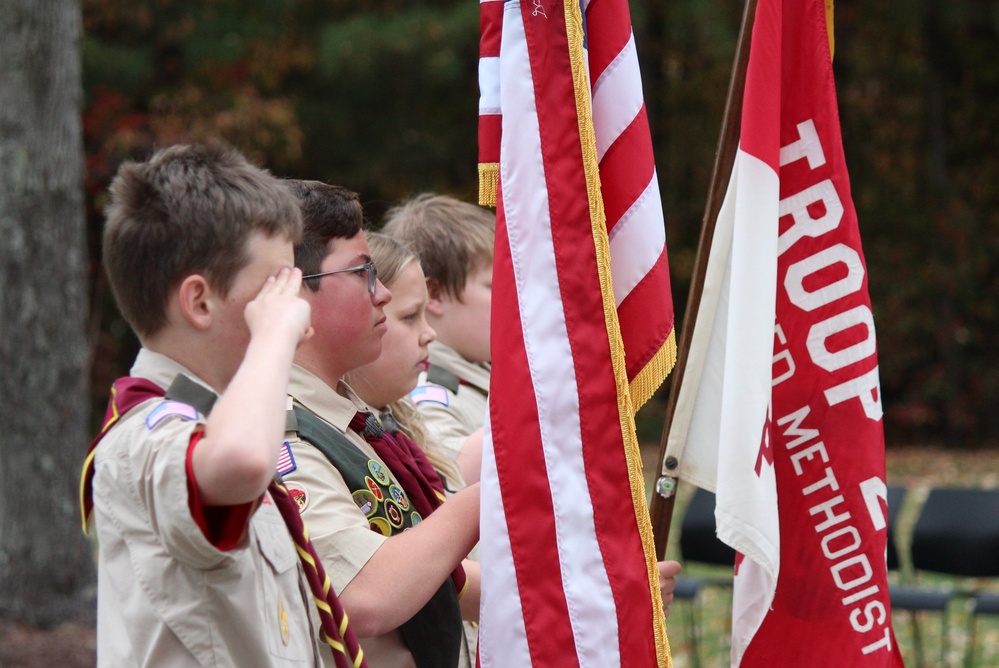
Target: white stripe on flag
(637,241)
(617,97)
(489,88)
(501,612)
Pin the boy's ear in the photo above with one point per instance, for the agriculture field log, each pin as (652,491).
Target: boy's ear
(435,296)
(196,301)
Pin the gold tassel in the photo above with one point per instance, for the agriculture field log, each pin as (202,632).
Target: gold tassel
(488,183)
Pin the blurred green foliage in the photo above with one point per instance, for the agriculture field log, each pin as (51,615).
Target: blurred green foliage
(381,96)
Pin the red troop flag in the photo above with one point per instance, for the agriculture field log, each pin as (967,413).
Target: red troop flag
(582,334)
(780,400)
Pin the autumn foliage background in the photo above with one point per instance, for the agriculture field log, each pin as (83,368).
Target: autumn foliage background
(381,96)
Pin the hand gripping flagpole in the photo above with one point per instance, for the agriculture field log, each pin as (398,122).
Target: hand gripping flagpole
(664,492)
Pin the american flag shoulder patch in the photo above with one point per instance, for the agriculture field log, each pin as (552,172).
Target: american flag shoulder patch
(434,393)
(286,460)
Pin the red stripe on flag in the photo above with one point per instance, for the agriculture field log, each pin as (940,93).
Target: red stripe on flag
(490,27)
(490,131)
(608,26)
(646,317)
(626,169)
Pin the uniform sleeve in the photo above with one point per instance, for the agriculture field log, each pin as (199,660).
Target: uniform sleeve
(338,528)
(223,526)
(158,473)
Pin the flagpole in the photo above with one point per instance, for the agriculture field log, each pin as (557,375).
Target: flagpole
(664,492)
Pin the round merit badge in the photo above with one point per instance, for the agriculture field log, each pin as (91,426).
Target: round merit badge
(393,513)
(379,525)
(298,493)
(373,486)
(366,501)
(399,496)
(379,472)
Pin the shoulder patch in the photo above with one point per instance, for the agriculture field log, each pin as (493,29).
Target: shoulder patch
(434,393)
(286,460)
(170,408)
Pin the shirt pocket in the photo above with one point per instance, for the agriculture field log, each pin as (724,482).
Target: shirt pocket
(285,594)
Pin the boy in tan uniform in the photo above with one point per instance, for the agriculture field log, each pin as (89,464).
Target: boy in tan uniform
(454,241)
(196,565)
(398,569)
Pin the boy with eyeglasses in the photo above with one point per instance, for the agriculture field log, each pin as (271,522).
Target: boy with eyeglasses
(397,566)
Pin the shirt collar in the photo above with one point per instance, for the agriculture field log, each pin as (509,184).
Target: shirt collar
(337,407)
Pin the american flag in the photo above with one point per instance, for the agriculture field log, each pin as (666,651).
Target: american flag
(569,575)
(286,460)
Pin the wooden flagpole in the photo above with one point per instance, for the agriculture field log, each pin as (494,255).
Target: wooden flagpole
(664,492)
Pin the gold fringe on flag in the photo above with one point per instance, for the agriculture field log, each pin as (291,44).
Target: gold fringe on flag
(647,381)
(488,183)
(598,223)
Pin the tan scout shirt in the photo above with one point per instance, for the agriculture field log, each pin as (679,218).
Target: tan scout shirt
(166,595)
(451,417)
(338,528)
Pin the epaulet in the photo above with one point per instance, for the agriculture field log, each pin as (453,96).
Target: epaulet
(440,376)
(290,421)
(185,399)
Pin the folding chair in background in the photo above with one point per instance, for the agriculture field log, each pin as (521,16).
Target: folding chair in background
(956,534)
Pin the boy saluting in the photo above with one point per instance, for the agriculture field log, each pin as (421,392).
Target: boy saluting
(196,564)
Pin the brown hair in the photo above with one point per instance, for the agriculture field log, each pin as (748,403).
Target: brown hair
(188,209)
(328,212)
(452,238)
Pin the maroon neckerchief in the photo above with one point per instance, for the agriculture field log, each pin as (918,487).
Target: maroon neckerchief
(410,466)
(129,392)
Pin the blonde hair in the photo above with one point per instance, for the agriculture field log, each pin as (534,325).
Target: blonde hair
(452,238)
(391,257)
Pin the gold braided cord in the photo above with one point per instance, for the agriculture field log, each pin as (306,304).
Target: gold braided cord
(89,461)
(335,644)
(488,183)
(304,554)
(323,605)
(651,376)
(359,659)
(598,225)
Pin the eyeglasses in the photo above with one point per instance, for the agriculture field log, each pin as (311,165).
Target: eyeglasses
(368,267)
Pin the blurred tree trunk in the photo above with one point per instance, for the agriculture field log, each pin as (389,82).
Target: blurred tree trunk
(46,573)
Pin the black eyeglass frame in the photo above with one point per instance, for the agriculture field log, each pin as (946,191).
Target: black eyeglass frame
(368,267)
